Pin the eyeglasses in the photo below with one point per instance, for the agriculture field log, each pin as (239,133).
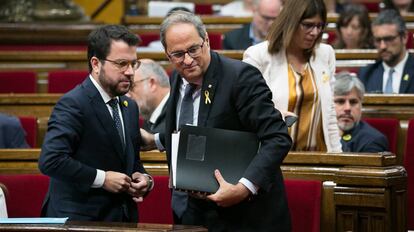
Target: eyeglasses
(266,18)
(123,65)
(193,52)
(386,39)
(308,27)
(135,83)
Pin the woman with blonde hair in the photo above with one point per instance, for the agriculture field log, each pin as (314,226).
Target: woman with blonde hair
(298,69)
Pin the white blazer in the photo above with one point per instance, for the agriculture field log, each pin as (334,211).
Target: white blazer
(274,69)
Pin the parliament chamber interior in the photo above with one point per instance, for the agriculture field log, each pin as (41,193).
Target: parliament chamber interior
(42,57)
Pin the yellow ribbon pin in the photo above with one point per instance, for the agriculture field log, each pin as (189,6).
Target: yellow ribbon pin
(125,103)
(406,77)
(207,96)
(325,77)
(347,137)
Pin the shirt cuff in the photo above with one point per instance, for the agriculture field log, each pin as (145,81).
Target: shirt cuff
(99,179)
(158,142)
(249,185)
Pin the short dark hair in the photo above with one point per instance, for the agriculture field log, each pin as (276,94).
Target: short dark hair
(390,16)
(100,39)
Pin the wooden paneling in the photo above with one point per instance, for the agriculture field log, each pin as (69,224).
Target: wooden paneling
(361,192)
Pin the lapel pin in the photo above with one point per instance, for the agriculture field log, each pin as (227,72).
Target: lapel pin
(207,96)
(406,77)
(125,103)
(325,77)
(209,86)
(347,137)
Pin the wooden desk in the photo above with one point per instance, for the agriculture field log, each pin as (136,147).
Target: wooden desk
(100,227)
(361,191)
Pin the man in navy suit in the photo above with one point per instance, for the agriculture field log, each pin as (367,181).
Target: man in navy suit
(394,72)
(12,134)
(91,148)
(151,90)
(233,95)
(264,13)
(357,136)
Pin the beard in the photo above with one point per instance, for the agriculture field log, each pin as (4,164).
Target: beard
(346,126)
(113,89)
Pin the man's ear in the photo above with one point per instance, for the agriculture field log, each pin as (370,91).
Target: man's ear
(96,65)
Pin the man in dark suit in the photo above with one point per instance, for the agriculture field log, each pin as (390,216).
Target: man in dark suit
(150,90)
(394,72)
(264,13)
(357,136)
(12,134)
(91,148)
(227,94)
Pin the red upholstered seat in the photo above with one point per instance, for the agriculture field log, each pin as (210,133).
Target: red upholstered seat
(304,199)
(409,166)
(410,40)
(389,127)
(18,82)
(26,194)
(148,38)
(215,41)
(29,124)
(64,80)
(203,8)
(156,207)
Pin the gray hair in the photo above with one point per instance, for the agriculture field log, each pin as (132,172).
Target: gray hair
(147,69)
(178,17)
(345,82)
(390,16)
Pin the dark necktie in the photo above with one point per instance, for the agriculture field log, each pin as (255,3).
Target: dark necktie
(114,105)
(187,107)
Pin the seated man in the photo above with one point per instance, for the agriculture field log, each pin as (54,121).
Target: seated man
(12,134)
(151,89)
(357,136)
(394,72)
(264,13)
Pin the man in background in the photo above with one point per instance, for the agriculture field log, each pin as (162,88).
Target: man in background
(356,135)
(150,90)
(264,12)
(394,72)
(12,134)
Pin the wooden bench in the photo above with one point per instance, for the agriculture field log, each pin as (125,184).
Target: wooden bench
(361,191)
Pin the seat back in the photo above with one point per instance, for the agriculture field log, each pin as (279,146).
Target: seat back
(409,166)
(156,207)
(26,193)
(147,38)
(18,82)
(62,81)
(29,124)
(203,8)
(389,127)
(216,41)
(304,200)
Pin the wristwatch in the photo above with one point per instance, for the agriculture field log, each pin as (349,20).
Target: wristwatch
(150,182)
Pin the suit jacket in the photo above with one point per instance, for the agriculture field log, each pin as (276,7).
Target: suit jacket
(12,134)
(159,125)
(81,138)
(241,100)
(364,138)
(275,71)
(372,77)
(238,39)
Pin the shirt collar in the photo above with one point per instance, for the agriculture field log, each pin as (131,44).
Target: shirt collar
(101,91)
(254,39)
(399,68)
(158,110)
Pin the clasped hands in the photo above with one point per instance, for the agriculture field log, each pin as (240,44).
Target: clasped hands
(137,185)
(228,194)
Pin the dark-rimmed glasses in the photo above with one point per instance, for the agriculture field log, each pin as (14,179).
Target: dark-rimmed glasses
(386,39)
(123,65)
(193,52)
(308,27)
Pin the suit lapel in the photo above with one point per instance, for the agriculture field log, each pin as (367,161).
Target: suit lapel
(208,90)
(104,117)
(127,125)
(406,78)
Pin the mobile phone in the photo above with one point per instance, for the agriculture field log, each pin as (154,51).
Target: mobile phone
(290,120)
